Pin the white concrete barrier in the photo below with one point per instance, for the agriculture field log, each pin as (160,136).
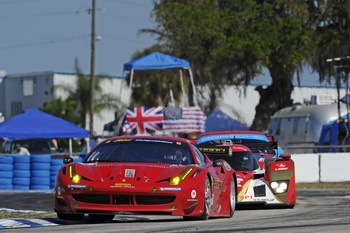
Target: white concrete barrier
(306,167)
(335,167)
(325,167)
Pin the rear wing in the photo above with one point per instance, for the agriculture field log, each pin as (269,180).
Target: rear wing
(226,149)
(214,149)
(261,145)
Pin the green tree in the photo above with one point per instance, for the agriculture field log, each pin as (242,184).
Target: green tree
(229,42)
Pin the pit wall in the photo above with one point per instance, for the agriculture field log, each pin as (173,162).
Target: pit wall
(323,167)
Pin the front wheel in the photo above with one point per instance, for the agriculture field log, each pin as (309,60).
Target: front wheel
(70,216)
(101,217)
(207,204)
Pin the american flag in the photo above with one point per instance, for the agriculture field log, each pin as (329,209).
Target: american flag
(141,120)
(184,120)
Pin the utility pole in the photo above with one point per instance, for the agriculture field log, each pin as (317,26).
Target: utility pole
(92,68)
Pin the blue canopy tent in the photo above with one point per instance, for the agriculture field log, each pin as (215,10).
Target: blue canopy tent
(156,61)
(219,121)
(330,132)
(33,123)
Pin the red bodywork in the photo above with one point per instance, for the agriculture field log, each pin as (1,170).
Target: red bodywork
(111,187)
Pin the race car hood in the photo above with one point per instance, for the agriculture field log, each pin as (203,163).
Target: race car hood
(115,171)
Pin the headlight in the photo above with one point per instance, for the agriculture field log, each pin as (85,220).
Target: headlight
(175,180)
(280,186)
(73,176)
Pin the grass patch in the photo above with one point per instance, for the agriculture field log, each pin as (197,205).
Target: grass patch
(323,185)
(10,214)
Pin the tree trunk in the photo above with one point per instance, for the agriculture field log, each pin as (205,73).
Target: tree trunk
(273,98)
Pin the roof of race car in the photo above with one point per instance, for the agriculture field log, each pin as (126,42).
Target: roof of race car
(232,135)
(148,139)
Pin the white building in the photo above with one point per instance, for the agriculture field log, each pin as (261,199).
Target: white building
(30,90)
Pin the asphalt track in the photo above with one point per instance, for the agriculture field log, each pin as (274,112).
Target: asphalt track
(317,210)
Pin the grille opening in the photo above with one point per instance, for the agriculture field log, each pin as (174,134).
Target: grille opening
(154,200)
(92,198)
(122,200)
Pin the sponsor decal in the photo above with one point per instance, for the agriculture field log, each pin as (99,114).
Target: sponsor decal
(122,140)
(178,143)
(233,136)
(230,152)
(212,149)
(104,165)
(154,140)
(122,185)
(280,167)
(193,194)
(170,189)
(192,199)
(76,186)
(129,172)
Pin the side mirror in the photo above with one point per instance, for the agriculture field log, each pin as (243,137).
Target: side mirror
(217,163)
(67,160)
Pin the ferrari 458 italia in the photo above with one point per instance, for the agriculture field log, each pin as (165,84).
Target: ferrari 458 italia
(145,174)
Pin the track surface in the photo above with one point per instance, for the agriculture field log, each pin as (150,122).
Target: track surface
(316,211)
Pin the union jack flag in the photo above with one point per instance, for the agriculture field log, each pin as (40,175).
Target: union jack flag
(141,120)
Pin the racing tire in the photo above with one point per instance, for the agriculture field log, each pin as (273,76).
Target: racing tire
(6,159)
(40,158)
(207,204)
(6,167)
(21,174)
(232,197)
(76,217)
(21,166)
(101,217)
(6,174)
(21,159)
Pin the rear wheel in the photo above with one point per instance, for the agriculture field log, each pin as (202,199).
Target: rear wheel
(232,197)
(207,204)
(70,216)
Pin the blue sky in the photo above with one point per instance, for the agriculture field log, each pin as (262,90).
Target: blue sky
(43,35)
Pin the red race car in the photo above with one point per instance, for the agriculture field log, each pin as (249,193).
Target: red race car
(145,174)
(263,176)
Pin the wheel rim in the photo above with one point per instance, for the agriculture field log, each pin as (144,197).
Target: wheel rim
(207,196)
(233,196)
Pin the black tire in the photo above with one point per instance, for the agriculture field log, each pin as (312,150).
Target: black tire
(207,204)
(101,217)
(70,216)
(232,197)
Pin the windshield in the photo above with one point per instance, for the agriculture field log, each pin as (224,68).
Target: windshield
(239,161)
(142,151)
